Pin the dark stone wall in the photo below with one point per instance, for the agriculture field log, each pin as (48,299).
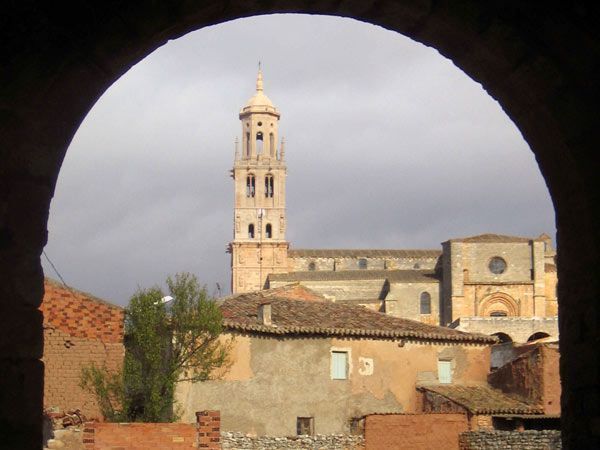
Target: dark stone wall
(539,60)
(507,440)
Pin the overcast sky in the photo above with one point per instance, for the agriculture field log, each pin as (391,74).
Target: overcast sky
(389,145)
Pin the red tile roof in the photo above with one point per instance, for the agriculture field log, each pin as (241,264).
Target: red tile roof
(482,399)
(300,317)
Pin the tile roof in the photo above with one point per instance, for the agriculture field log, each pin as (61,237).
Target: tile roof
(408,276)
(482,399)
(299,317)
(492,238)
(364,253)
(60,285)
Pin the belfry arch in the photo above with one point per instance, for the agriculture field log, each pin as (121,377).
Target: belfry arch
(539,62)
(497,303)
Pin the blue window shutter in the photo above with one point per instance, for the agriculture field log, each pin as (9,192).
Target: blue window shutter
(339,365)
(445,372)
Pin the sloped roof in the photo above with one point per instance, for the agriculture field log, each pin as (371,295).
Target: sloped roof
(408,276)
(87,295)
(492,238)
(363,253)
(300,317)
(482,399)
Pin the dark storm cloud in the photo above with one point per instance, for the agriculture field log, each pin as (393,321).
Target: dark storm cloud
(388,145)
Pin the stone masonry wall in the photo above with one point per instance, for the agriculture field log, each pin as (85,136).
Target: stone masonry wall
(414,431)
(508,440)
(239,441)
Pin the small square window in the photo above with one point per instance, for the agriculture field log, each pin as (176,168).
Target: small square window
(339,365)
(305,426)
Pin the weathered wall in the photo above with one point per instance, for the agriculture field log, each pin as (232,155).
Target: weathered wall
(414,431)
(64,357)
(79,330)
(301,264)
(138,436)
(505,440)
(533,375)
(241,441)
(404,300)
(520,329)
(275,380)
(340,290)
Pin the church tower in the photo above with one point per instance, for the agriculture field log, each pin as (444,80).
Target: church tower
(259,246)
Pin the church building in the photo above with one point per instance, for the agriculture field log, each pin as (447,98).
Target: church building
(489,283)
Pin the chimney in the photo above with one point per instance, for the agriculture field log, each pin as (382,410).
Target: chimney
(264,314)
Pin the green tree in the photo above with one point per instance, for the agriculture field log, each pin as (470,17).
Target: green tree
(165,342)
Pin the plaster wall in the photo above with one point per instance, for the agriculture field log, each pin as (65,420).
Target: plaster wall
(275,380)
(520,329)
(300,264)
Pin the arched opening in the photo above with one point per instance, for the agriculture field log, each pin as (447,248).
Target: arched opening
(543,82)
(538,335)
(503,338)
(312,266)
(362,263)
(250,186)
(425,303)
(268,231)
(251,231)
(259,143)
(269,186)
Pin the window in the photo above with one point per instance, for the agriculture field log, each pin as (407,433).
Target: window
(425,303)
(339,365)
(259,143)
(445,371)
(497,265)
(251,231)
(305,426)
(362,263)
(312,266)
(498,314)
(250,186)
(268,231)
(269,186)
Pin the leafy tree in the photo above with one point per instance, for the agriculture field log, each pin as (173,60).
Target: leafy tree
(165,342)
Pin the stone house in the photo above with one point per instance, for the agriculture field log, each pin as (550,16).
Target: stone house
(304,365)
(489,283)
(79,329)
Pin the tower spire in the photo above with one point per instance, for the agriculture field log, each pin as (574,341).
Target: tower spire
(259,79)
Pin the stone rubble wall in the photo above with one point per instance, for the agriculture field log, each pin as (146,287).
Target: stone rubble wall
(511,440)
(239,441)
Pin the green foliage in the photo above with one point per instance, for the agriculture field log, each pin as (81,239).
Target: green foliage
(108,389)
(165,343)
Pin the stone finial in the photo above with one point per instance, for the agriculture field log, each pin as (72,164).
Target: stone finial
(264,314)
(259,80)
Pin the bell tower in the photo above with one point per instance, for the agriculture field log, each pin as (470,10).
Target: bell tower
(259,246)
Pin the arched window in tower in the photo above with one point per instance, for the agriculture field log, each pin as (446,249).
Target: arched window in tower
(362,263)
(269,186)
(312,266)
(425,307)
(271,145)
(250,186)
(259,143)
(268,231)
(251,231)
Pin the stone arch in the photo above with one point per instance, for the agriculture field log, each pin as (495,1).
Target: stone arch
(498,302)
(537,335)
(503,337)
(62,58)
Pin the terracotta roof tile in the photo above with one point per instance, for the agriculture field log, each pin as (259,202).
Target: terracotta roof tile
(482,399)
(408,276)
(294,317)
(364,253)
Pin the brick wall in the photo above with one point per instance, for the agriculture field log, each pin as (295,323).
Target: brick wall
(79,330)
(414,431)
(204,434)
(501,440)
